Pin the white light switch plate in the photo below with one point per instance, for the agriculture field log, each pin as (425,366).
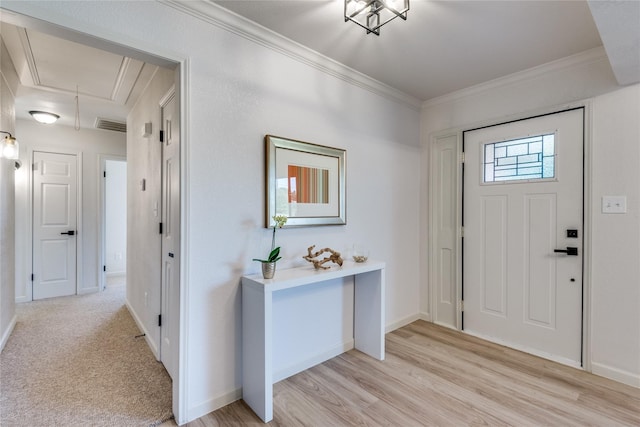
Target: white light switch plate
(614,204)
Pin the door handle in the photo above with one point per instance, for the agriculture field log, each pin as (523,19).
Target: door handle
(569,251)
(70,232)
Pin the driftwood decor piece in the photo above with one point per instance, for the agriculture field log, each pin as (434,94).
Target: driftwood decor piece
(318,263)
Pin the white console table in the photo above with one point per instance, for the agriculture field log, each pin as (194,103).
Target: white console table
(257,321)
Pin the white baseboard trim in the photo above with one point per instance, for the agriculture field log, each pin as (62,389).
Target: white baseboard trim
(402,322)
(147,337)
(116,273)
(425,316)
(22,299)
(7,333)
(312,361)
(211,405)
(615,374)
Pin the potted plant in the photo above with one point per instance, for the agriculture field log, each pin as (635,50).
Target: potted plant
(269,264)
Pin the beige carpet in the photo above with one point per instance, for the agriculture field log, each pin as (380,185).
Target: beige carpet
(75,361)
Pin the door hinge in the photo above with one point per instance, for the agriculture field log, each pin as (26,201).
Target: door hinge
(104,174)
(161,136)
(159,320)
(104,268)
(461,305)
(33,277)
(462,157)
(160,228)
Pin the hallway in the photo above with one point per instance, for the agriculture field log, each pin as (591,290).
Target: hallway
(79,360)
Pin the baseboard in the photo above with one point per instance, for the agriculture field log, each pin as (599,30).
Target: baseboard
(116,273)
(211,405)
(615,374)
(312,361)
(425,316)
(22,299)
(147,337)
(402,322)
(7,332)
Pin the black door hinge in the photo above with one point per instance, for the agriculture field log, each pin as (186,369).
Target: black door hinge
(159,320)
(104,174)
(33,277)
(160,228)
(104,268)
(161,136)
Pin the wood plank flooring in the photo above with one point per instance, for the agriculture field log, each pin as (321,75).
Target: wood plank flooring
(433,376)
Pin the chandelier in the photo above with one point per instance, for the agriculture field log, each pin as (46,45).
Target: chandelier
(373,14)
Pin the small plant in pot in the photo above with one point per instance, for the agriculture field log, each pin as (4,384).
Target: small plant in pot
(269,264)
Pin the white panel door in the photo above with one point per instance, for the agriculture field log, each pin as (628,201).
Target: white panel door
(523,193)
(170,295)
(54,224)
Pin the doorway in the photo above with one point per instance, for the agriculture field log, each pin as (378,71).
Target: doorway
(523,230)
(55,216)
(114,222)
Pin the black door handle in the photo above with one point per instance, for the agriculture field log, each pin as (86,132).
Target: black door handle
(70,232)
(569,251)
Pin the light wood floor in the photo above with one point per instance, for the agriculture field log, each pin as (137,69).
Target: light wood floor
(433,376)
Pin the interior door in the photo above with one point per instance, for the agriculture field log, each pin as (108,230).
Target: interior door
(54,224)
(523,203)
(170,292)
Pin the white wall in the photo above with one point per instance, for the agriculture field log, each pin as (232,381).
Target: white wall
(144,158)
(7,201)
(88,144)
(614,344)
(237,92)
(116,217)
(615,306)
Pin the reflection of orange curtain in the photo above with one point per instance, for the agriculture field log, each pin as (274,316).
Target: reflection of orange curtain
(308,185)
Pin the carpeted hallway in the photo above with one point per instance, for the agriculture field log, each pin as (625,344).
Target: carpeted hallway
(75,361)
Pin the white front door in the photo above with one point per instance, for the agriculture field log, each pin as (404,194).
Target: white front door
(54,224)
(170,295)
(523,200)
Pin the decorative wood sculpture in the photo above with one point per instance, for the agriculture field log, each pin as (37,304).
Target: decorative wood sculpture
(311,257)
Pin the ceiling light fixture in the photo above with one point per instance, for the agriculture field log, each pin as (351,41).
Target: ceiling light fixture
(9,147)
(44,117)
(373,14)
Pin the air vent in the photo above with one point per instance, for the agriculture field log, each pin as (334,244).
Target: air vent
(113,125)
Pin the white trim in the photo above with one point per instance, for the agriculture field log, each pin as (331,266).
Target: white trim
(181,409)
(597,54)
(136,318)
(243,27)
(313,361)
(404,322)
(203,408)
(7,332)
(615,374)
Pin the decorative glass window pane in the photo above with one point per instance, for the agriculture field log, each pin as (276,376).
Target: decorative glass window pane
(520,159)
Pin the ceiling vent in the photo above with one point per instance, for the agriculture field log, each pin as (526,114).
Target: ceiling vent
(113,125)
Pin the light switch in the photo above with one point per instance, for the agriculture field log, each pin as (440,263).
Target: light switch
(614,204)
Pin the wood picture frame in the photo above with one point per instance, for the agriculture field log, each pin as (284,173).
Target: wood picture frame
(306,182)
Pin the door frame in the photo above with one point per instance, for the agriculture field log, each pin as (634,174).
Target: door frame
(159,55)
(30,202)
(435,218)
(102,217)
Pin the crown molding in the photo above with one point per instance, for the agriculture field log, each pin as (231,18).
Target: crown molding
(590,56)
(243,27)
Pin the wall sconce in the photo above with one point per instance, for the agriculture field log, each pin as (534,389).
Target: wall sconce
(44,117)
(9,148)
